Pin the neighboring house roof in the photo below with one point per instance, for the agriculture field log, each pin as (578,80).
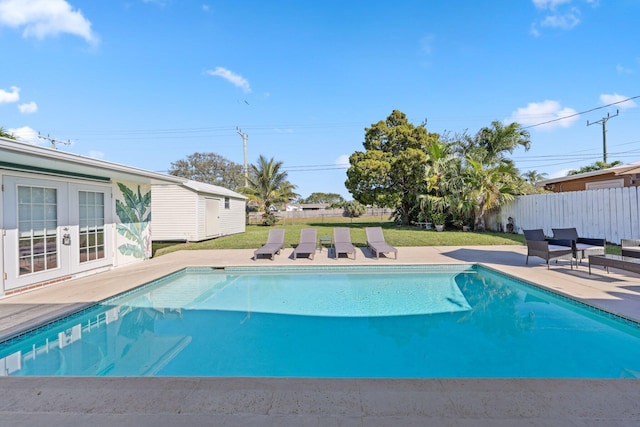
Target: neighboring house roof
(628,169)
(22,156)
(201,187)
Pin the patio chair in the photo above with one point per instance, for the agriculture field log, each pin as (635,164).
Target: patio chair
(377,244)
(582,247)
(275,242)
(630,247)
(342,243)
(308,243)
(547,249)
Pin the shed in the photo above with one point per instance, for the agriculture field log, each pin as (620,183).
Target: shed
(194,211)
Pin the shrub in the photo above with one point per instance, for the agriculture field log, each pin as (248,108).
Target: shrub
(269,218)
(354,209)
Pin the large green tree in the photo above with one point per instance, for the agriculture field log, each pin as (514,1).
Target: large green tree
(209,168)
(330,198)
(268,184)
(390,172)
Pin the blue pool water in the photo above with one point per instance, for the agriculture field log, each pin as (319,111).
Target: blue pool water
(380,322)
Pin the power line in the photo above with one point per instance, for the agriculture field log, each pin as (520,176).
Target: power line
(582,112)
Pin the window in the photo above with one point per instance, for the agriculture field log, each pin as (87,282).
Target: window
(91,231)
(227,203)
(37,228)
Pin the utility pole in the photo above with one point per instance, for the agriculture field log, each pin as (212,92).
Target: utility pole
(53,141)
(244,144)
(604,133)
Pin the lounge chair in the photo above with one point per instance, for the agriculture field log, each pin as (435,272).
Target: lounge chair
(630,247)
(342,243)
(308,243)
(275,242)
(377,244)
(582,246)
(547,249)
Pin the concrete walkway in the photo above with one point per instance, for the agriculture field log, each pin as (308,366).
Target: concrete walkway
(296,402)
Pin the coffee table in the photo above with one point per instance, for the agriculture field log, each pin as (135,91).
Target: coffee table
(616,261)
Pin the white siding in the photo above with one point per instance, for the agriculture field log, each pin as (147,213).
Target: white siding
(232,220)
(173,213)
(179,214)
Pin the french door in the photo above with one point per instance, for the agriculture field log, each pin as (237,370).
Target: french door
(53,229)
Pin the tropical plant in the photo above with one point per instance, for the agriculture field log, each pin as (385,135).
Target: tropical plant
(134,214)
(268,186)
(595,167)
(490,178)
(489,186)
(354,209)
(438,218)
(5,134)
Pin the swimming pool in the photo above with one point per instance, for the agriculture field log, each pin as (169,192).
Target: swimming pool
(376,322)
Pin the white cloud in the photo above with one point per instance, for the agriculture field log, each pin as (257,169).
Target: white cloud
(564,21)
(235,79)
(621,69)
(43,18)
(12,96)
(548,4)
(427,43)
(607,99)
(536,113)
(26,134)
(28,108)
(96,154)
(559,174)
(343,160)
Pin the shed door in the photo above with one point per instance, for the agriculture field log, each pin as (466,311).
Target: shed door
(212,217)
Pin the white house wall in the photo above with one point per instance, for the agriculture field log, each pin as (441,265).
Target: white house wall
(123,240)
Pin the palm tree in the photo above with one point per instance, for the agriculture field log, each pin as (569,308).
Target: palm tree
(490,178)
(533,177)
(268,184)
(498,139)
(441,177)
(5,134)
(489,186)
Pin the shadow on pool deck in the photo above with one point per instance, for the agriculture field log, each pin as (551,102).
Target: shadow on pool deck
(307,401)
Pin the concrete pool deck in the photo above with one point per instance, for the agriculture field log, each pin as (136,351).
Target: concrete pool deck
(343,402)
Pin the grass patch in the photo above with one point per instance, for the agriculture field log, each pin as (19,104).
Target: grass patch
(256,235)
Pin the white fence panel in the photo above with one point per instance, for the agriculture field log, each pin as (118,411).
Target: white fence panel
(610,213)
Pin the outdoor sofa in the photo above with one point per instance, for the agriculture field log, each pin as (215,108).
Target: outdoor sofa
(582,246)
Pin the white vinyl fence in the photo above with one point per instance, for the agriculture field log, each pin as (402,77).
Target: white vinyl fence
(610,213)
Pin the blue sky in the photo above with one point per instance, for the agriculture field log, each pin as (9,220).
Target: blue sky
(148,82)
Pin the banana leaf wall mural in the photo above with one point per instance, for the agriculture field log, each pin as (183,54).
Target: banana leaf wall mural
(134,211)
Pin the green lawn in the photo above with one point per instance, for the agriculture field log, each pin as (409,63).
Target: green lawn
(256,235)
